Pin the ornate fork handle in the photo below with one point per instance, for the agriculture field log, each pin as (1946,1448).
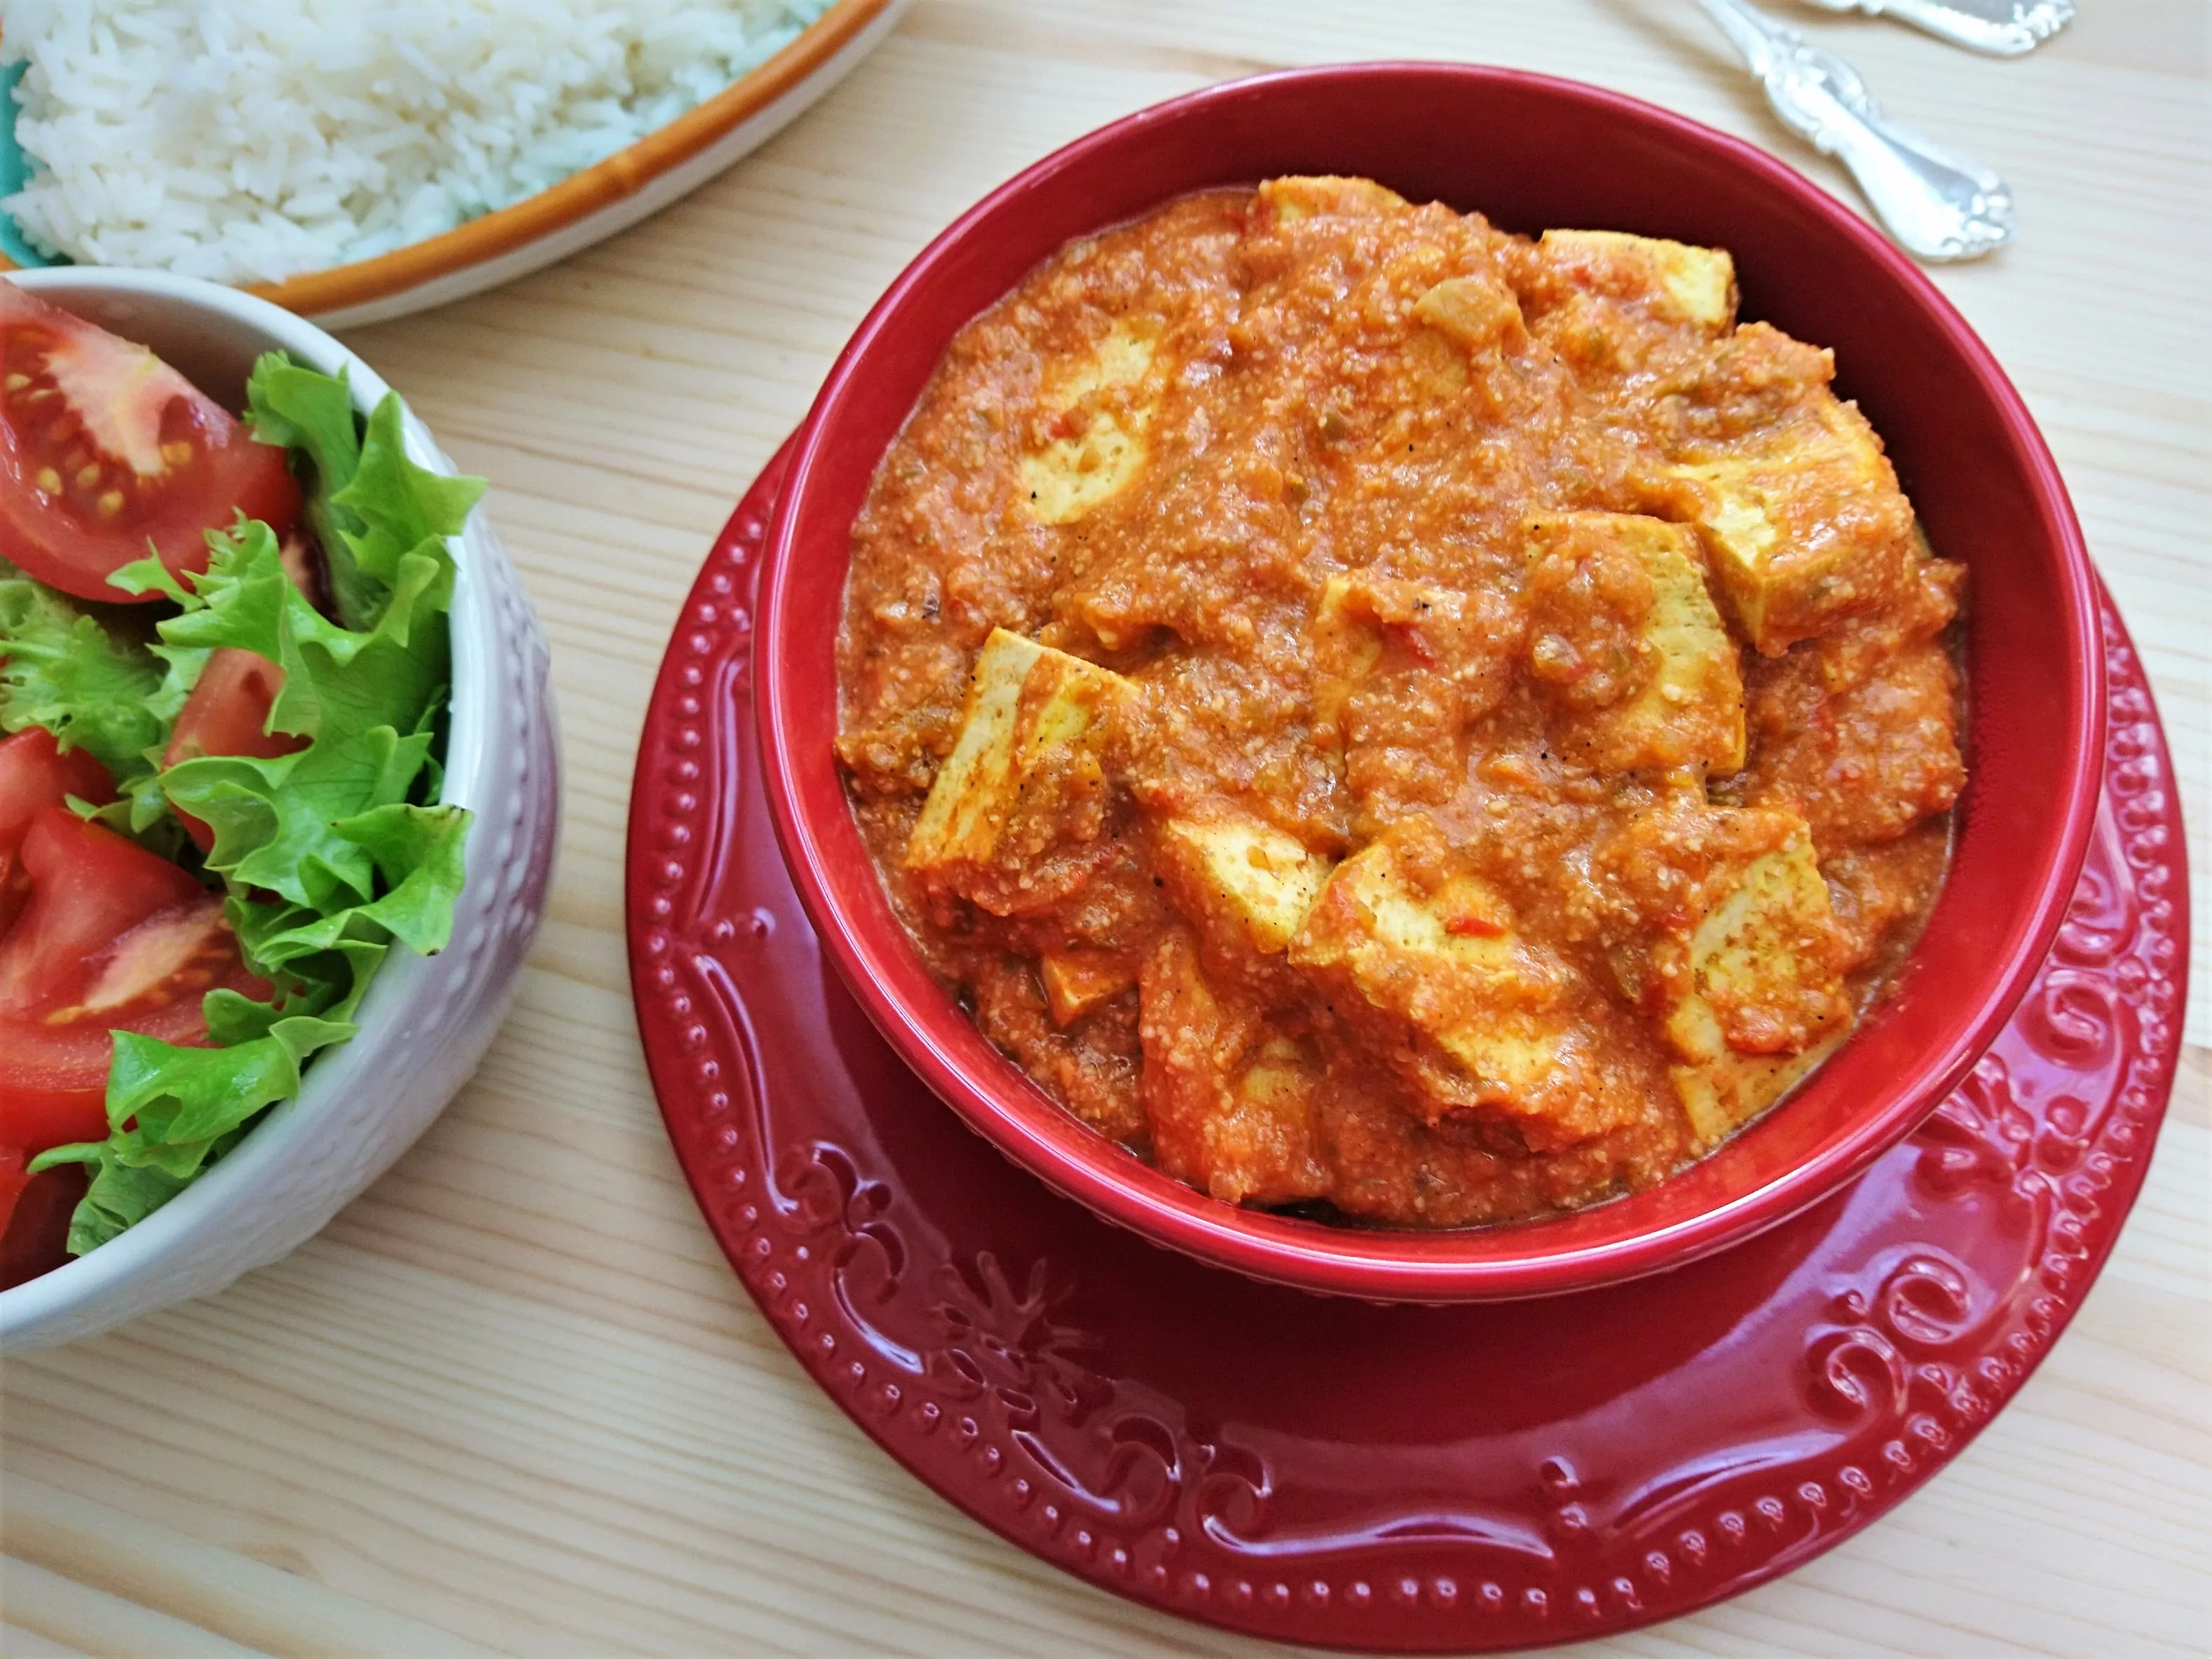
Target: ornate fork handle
(1940,206)
(2005,28)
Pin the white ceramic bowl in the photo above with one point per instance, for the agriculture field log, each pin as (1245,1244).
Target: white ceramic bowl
(426,1021)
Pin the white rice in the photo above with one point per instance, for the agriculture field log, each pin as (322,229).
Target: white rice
(252,140)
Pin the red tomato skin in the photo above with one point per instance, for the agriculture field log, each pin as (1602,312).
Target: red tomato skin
(39,1118)
(34,1216)
(227,713)
(102,910)
(89,886)
(53,1079)
(56,528)
(35,772)
(13,1180)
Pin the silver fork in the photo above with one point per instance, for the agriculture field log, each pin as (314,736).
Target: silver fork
(2004,28)
(1939,205)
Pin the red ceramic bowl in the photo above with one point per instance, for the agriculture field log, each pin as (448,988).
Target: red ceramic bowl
(1529,152)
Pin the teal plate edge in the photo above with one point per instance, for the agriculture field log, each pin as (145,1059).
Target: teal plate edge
(12,170)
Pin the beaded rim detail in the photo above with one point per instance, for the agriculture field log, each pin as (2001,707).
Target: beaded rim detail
(1908,1353)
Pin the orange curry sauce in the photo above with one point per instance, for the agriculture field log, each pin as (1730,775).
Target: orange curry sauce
(1372,710)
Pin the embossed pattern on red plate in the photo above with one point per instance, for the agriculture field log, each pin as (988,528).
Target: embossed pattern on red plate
(1405,1478)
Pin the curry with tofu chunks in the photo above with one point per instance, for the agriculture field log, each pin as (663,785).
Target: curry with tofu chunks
(1376,713)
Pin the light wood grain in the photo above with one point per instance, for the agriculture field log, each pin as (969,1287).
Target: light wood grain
(513,1399)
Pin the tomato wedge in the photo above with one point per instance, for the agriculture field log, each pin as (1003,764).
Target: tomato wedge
(113,939)
(88,887)
(227,713)
(34,774)
(103,448)
(34,1216)
(34,1209)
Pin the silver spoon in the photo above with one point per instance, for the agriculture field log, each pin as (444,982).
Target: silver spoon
(2004,28)
(1939,205)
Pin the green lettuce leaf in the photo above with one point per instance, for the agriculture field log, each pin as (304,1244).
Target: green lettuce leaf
(399,505)
(332,854)
(119,1196)
(370,506)
(312,415)
(94,688)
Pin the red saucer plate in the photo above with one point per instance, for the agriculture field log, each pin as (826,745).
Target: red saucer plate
(1412,1480)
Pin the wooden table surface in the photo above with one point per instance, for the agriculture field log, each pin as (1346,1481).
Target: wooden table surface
(513,1400)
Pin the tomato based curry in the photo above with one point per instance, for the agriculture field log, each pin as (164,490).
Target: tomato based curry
(1372,711)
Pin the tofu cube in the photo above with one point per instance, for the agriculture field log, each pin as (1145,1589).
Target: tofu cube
(1762,961)
(1680,282)
(1229,1100)
(1476,1020)
(1803,535)
(1400,670)
(1347,647)
(1739,953)
(1479,312)
(1368,626)
(1078,981)
(1679,703)
(1096,413)
(1721,1094)
(1289,200)
(1240,878)
(1025,778)
(1717,925)
(1261,1148)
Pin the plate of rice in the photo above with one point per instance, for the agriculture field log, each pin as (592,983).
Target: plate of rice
(354,162)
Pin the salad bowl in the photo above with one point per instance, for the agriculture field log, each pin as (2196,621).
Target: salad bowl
(426,1021)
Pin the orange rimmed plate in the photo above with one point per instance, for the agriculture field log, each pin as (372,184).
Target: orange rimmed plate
(589,206)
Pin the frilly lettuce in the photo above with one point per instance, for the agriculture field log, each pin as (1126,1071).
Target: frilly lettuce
(94,686)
